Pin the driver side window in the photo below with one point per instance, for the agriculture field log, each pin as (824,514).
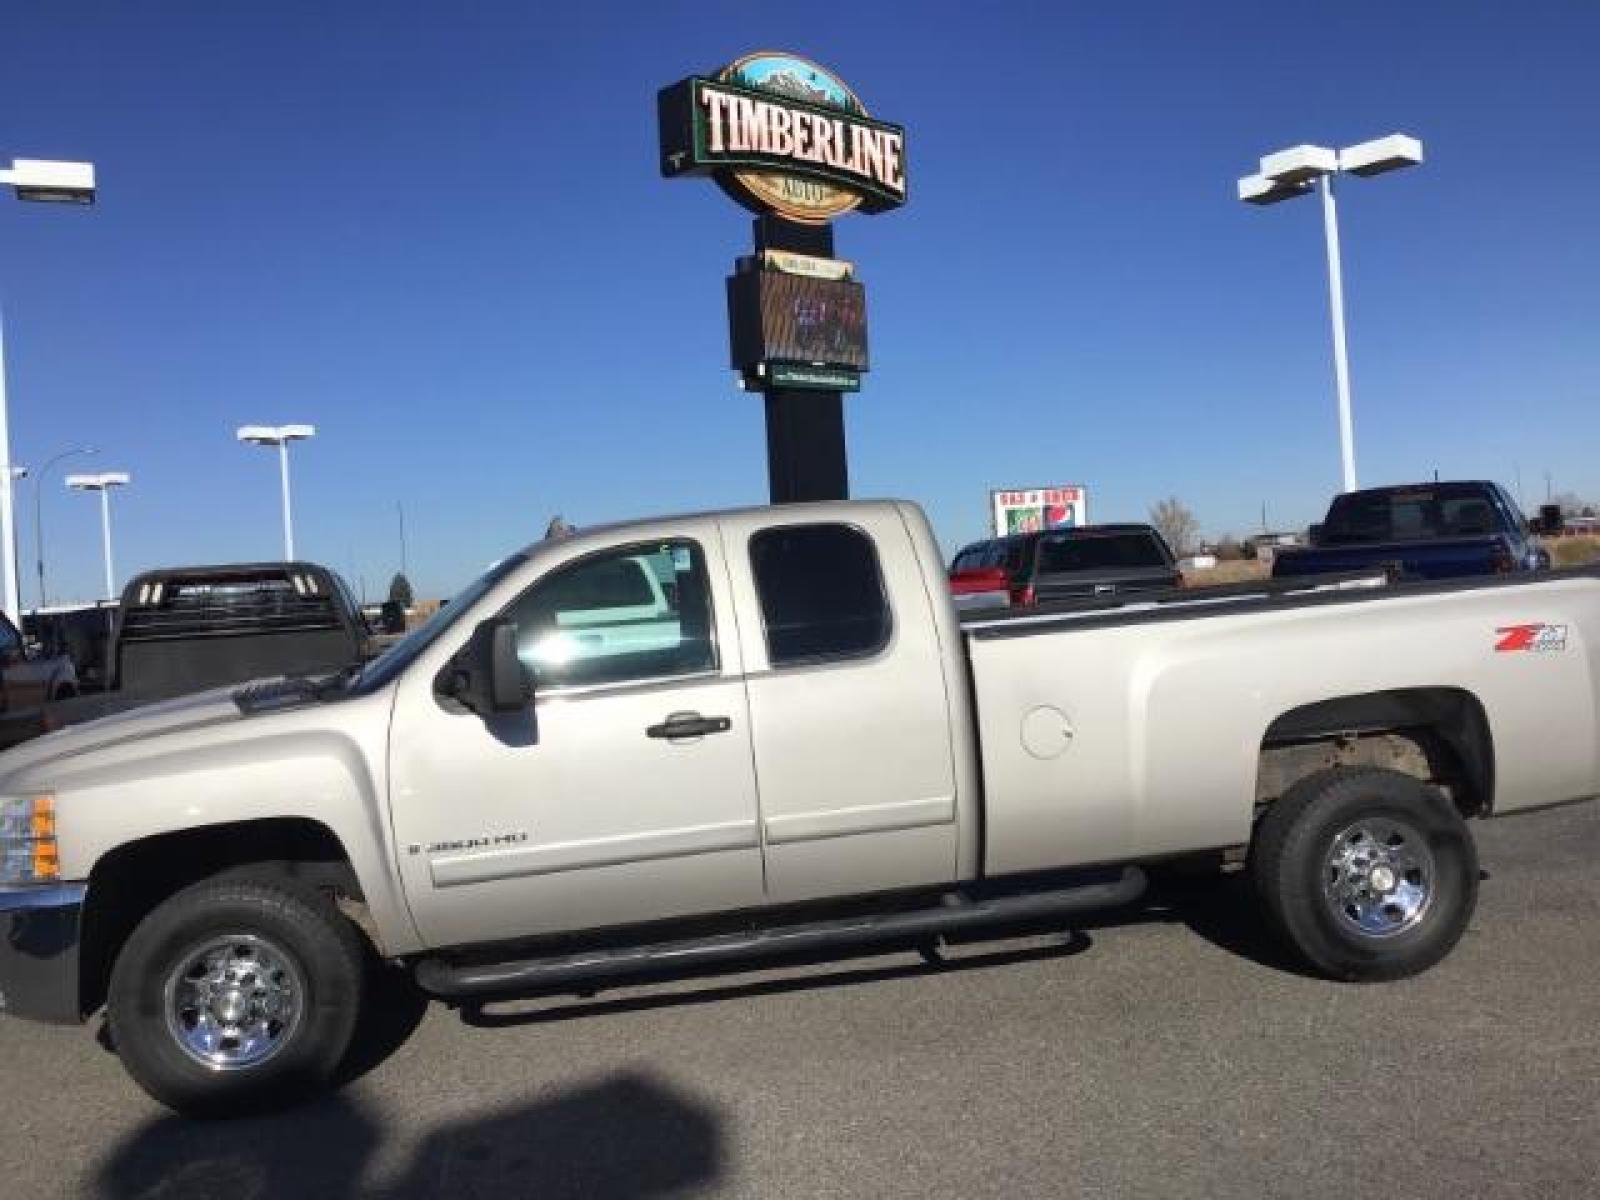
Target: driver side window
(625,615)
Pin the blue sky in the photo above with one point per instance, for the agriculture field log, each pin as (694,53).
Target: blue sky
(437,232)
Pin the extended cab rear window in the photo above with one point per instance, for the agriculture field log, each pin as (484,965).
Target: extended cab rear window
(1410,514)
(821,593)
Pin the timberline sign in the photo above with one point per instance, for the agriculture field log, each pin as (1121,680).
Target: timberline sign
(785,136)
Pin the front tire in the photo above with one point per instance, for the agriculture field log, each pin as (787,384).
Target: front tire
(236,995)
(1368,873)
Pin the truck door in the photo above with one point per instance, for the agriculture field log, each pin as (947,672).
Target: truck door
(847,704)
(630,795)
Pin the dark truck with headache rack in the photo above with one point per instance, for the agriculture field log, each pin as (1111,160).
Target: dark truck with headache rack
(1419,531)
(181,630)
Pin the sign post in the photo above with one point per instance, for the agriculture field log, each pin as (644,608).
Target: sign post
(791,142)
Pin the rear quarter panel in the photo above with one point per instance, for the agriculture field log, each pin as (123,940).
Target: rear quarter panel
(1166,717)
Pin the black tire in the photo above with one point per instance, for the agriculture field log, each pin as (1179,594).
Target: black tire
(287,925)
(1310,877)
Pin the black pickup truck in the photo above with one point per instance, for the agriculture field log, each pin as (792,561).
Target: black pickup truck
(180,630)
(1419,531)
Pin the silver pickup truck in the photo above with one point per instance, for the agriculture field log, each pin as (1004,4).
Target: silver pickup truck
(716,738)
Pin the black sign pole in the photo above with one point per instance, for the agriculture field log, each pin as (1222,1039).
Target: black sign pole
(805,429)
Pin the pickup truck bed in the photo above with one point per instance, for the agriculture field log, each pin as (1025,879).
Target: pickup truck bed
(1165,657)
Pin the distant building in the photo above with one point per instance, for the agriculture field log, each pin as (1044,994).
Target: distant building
(1584,526)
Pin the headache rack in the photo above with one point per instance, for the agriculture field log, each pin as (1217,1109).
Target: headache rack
(283,599)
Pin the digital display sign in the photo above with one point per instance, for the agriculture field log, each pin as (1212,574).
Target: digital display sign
(782,318)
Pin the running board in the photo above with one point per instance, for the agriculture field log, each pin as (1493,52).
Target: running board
(453,980)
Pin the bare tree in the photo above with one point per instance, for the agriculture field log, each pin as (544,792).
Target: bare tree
(1177,524)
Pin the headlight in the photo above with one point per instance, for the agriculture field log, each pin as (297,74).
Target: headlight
(28,852)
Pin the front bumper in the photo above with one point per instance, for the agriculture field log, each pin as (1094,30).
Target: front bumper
(39,935)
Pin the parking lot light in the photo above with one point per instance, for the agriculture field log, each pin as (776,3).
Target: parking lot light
(103,483)
(51,181)
(280,436)
(1296,172)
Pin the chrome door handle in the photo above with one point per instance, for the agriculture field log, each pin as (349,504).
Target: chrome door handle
(688,725)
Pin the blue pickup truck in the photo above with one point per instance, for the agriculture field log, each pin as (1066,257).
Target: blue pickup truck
(1419,531)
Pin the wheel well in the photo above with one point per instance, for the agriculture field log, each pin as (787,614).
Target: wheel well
(1439,735)
(127,883)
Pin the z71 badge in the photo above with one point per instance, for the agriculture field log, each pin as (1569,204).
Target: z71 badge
(1534,639)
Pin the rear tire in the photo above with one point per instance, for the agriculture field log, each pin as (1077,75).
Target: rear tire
(1367,873)
(236,995)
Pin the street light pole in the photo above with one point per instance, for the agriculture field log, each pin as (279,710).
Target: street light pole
(38,511)
(280,436)
(288,513)
(1290,173)
(1341,359)
(105,539)
(11,599)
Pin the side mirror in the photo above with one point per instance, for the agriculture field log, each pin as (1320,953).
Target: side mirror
(485,675)
(1314,535)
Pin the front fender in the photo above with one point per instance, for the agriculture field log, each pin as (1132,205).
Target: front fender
(325,763)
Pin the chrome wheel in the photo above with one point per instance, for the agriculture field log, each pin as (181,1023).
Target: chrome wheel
(234,1001)
(1379,877)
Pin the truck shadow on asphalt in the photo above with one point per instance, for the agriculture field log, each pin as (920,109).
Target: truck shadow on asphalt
(627,1134)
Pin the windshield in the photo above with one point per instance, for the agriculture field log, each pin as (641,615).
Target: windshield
(1409,514)
(387,666)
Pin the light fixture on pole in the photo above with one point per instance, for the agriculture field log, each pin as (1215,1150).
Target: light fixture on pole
(1294,172)
(38,510)
(103,483)
(280,436)
(46,180)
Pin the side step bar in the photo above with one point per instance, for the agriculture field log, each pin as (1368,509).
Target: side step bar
(452,980)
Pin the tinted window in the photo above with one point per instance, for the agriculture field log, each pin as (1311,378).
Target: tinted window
(641,612)
(969,559)
(10,641)
(821,593)
(1058,555)
(1412,514)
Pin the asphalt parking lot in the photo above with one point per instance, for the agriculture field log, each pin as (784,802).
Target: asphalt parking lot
(1174,1054)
